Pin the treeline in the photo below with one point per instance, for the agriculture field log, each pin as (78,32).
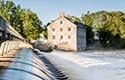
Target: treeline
(109,25)
(24,21)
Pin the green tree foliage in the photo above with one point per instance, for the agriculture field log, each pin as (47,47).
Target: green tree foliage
(87,20)
(24,21)
(109,25)
(76,19)
(1,3)
(44,32)
(30,25)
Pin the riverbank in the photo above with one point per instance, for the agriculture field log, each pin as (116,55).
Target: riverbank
(42,47)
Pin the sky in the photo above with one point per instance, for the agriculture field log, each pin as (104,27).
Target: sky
(48,10)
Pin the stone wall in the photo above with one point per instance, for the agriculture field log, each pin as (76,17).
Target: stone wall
(61,28)
(65,34)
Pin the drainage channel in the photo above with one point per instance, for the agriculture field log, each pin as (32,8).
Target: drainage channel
(28,66)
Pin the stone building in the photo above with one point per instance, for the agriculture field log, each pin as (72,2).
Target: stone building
(67,34)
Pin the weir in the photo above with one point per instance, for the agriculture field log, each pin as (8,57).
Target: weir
(26,65)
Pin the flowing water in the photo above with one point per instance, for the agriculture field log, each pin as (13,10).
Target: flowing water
(90,65)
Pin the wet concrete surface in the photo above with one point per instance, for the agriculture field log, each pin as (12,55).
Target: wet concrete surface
(26,65)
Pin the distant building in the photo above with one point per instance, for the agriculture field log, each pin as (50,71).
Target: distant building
(67,34)
(96,42)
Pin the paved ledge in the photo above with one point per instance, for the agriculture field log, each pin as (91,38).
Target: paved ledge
(24,64)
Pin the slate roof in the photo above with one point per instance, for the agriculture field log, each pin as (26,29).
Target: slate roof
(71,19)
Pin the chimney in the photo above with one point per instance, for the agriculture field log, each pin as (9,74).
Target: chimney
(61,14)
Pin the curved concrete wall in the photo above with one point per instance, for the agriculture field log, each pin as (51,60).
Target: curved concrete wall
(26,66)
(10,45)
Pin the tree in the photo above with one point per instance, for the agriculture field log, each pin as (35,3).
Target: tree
(1,2)
(31,25)
(87,20)
(24,21)
(109,25)
(44,32)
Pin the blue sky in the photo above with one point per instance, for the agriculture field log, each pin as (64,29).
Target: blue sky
(48,10)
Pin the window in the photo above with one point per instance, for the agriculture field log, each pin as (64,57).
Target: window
(61,37)
(61,29)
(69,29)
(69,37)
(61,22)
(53,37)
(53,29)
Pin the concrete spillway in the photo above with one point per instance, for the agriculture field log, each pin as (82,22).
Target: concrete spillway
(28,66)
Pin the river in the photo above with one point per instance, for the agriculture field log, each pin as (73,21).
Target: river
(90,65)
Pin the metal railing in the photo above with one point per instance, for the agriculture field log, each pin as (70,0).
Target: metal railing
(7,31)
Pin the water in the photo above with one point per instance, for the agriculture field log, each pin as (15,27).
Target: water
(26,66)
(94,65)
